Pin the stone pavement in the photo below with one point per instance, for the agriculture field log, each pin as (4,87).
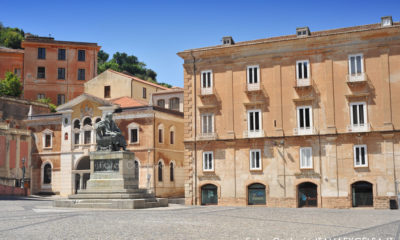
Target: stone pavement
(35,218)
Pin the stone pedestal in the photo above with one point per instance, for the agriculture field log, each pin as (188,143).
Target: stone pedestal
(112,184)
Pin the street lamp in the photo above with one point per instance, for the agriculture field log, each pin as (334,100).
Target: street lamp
(23,172)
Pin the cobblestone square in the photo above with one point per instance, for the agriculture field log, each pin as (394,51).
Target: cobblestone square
(37,219)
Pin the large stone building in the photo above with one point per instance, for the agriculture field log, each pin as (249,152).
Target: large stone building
(11,60)
(310,119)
(57,69)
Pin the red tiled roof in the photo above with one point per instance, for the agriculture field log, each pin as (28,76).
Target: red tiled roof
(10,50)
(124,102)
(138,79)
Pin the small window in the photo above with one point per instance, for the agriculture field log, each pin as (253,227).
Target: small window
(17,71)
(61,73)
(76,138)
(208,161)
(144,93)
(60,99)
(255,159)
(41,96)
(171,171)
(174,104)
(358,114)
(81,74)
(161,103)
(206,79)
(81,55)
(171,137)
(254,120)
(87,137)
(207,122)
(253,74)
(160,171)
(41,72)
(77,124)
(41,53)
(107,91)
(47,141)
(306,157)
(134,135)
(304,118)
(47,138)
(160,135)
(356,64)
(61,54)
(360,156)
(303,69)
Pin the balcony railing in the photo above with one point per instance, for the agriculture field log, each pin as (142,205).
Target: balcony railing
(366,127)
(253,134)
(303,82)
(304,131)
(358,77)
(207,136)
(253,87)
(207,91)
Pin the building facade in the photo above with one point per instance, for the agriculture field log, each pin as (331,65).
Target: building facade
(12,60)
(310,119)
(171,99)
(57,69)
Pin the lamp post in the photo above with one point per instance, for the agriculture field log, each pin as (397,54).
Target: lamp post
(23,173)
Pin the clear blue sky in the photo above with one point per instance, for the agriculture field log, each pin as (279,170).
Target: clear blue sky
(155,31)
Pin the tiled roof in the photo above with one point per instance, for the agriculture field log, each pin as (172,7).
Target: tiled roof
(11,50)
(138,79)
(125,102)
(38,39)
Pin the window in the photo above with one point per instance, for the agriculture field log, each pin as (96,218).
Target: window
(360,156)
(144,93)
(107,91)
(77,126)
(206,82)
(41,72)
(174,104)
(17,71)
(171,171)
(254,120)
(47,173)
(161,103)
(302,69)
(41,96)
(208,161)
(87,127)
(256,193)
(76,138)
(61,54)
(134,135)
(41,53)
(87,137)
(253,74)
(207,123)
(306,157)
(160,171)
(358,115)
(47,138)
(48,141)
(81,55)
(255,159)
(81,74)
(356,64)
(304,120)
(171,137)
(160,133)
(60,99)
(61,73)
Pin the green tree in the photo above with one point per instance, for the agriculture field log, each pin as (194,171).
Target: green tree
(11,85)
(102,57)
(49,103)
(11,37)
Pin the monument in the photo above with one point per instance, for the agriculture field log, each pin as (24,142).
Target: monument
(112,182)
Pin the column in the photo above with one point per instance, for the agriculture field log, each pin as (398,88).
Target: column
(80,181)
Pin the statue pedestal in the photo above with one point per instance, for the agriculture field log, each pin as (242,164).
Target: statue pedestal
(112,184)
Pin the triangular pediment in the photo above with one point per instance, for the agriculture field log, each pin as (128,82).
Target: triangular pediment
(81,98)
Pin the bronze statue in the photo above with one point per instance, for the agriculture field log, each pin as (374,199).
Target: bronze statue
(108,135)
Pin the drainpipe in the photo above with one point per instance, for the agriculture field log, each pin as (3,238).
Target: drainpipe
(154,152)
(195,128)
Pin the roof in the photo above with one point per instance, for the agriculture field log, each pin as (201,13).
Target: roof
(11,50)
(138,79)
(360,28)
(81,98)
(125,102)
(38,39)
(171,90)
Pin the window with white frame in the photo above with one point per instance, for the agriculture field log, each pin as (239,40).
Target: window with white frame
(358,114)
(206,81)
(133,132)
(303,69)
(207,123)
(47,138)
(304,119)
(306,157)
(356,65)
(255,159)
(254,120)
(360,156)
(253,74)
(208,161)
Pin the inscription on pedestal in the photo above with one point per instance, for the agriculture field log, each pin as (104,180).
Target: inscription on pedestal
(111,165)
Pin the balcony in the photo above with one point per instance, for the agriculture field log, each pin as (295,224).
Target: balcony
(356,78)
(303,82)
(207,136)
(366,127)
(252,87)
(253,134)
(207,91)
(304,131)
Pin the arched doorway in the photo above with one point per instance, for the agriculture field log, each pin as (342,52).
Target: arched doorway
(307,195)
(209,195)
(362,194)
(82,173)
(256,194)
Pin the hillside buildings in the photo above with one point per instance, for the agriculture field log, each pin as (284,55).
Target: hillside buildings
(309,119)
(12,60)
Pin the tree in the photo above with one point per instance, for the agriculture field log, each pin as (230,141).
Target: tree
(102,57)
(11,85)
(11,37)
(49,103)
